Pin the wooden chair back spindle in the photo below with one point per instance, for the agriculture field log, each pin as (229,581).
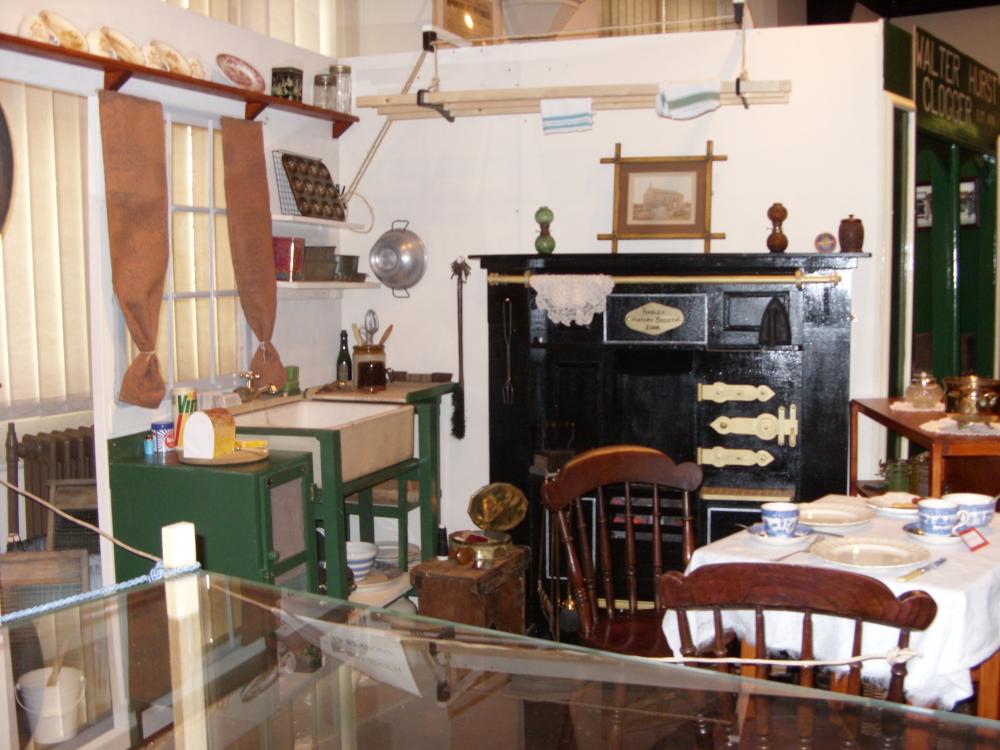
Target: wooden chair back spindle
(619,481)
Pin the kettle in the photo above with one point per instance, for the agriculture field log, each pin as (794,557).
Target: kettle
(398,258)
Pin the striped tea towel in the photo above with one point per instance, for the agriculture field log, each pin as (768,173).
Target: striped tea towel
(566,115)
(684,101)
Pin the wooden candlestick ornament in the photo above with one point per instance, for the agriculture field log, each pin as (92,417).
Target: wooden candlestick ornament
(777,242)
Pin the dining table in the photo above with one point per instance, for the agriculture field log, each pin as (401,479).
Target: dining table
(964,637)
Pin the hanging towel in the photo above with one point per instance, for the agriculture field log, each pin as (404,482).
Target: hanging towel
(684,101)
(571,298)
(566,115)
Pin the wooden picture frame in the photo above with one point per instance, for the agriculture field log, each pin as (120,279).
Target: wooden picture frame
(923,215)
(968,203)
(663,198)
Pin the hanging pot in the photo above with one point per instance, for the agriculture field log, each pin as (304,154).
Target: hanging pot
(398,258)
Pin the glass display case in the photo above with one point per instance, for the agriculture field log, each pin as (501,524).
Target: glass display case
(204,660)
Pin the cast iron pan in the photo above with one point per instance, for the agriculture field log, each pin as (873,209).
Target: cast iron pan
(6,170)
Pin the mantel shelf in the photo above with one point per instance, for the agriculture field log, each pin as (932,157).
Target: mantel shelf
(118,72)
(312,221)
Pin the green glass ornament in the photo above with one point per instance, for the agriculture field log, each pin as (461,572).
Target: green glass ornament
(545,243)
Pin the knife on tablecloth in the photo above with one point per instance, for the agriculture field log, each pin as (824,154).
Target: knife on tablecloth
(921,570)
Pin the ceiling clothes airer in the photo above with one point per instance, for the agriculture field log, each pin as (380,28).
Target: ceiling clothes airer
(460,272)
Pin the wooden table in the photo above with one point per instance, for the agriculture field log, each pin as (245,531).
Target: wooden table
(907,424)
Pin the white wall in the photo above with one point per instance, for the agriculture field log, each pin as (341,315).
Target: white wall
(472,187)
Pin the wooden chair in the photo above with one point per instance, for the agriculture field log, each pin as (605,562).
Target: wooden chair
(625,484)
(764,587)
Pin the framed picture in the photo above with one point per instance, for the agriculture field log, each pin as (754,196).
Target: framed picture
(922,206)
(662,197)
(968,203)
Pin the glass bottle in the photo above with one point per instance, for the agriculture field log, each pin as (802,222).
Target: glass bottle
(344,374)
(924,391)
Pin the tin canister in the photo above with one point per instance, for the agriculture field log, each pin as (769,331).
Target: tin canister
(162,436)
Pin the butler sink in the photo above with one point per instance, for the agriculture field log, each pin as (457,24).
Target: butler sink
(371,436)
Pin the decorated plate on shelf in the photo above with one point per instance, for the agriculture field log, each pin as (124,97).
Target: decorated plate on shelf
(870,554)
(801,535)
(174,60)
(837,516)
(123,48)
(240,73)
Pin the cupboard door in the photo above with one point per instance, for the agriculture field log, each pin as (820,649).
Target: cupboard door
(743,441)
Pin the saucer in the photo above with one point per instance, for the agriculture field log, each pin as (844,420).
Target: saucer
(914,530)
(801,534)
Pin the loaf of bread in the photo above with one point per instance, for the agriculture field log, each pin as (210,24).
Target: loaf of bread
(209,434)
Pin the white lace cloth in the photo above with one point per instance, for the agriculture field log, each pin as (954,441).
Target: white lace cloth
(949,426)
(569,298)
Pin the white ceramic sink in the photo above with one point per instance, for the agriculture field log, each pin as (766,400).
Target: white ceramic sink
(372,436)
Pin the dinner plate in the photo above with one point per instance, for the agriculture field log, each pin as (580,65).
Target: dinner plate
(64,32)
(174,60)
(894,505)
(870,553)
(98,44)
(830,515)
(802,534)
(914,530)
(240,73)
(123,47)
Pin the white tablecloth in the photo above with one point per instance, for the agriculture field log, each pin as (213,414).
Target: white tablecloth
(965,632)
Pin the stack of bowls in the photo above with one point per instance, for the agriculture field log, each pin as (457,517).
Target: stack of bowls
(360,559)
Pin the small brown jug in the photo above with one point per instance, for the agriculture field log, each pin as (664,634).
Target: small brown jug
(851,235)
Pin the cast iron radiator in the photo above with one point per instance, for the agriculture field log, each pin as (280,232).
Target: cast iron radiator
(61,454)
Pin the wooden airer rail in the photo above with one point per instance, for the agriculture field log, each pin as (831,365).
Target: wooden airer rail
(527,100)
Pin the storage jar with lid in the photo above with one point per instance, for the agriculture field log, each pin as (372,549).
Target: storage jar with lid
(342,88)
(324,90)
(369,368)
(924,391)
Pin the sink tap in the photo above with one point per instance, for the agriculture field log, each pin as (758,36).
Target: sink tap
(248,392)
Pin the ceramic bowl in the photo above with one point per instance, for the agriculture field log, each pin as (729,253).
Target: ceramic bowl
(360,559)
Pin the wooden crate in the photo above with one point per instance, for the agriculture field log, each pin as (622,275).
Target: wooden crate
(488,598)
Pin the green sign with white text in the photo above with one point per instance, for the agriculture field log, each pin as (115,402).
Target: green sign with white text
(956,97)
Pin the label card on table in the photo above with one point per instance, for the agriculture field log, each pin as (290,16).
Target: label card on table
(973,539)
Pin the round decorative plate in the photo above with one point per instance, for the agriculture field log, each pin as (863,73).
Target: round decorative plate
(228,459)
(240,73)
(123,47)
(174,60)
(497,507)
(894,505)
(829,515)
(64,32)
(914,530)
(870,553)
(802,534)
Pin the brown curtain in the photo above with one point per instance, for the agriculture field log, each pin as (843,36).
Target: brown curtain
(135,185)
(248,214)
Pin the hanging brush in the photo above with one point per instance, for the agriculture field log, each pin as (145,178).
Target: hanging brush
(460,271)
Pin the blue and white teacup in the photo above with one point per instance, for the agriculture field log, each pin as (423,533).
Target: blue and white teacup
(940,517)
(780,519)
(979,509)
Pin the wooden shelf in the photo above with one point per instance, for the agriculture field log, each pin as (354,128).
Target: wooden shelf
(118,72)
(327,223)
(318,285)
